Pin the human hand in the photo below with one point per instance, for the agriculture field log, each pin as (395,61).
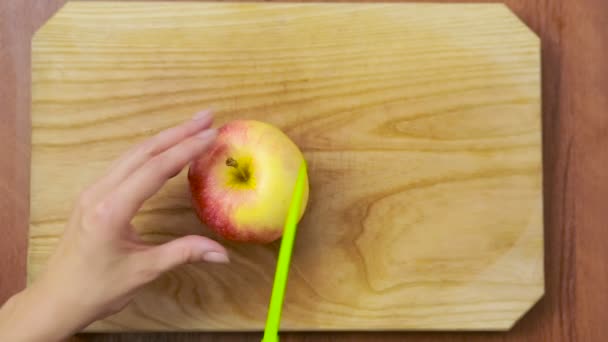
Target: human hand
(100,261)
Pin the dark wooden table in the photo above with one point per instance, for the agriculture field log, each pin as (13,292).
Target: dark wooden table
(574,37)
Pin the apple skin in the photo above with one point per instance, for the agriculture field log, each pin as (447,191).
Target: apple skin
(248,202)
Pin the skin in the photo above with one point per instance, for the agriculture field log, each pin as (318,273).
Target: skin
(100,261)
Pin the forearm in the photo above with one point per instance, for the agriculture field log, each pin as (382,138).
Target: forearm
(30,317)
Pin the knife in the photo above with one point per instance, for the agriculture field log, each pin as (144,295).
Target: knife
(273,321)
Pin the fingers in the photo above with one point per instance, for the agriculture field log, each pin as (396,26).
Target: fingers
(140,154)
(188,249)
(150,177)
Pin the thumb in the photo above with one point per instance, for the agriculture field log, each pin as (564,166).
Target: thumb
(188,249)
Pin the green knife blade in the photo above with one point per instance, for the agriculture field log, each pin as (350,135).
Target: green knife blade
(271,332)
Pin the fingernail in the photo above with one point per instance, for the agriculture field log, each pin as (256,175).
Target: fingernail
(216,257)
(202,115)
(207,134)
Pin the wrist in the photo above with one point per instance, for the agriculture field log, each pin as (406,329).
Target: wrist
(18,316)
(33,316)
(59,309)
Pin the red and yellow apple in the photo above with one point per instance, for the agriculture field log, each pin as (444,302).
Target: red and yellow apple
(243,184)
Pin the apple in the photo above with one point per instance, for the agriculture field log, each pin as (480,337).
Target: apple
(243,184)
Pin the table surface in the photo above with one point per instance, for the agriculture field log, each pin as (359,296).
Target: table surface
(575,136)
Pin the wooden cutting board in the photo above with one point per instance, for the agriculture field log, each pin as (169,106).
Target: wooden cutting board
(420,123)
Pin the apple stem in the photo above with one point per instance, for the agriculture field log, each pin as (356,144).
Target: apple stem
(233,163)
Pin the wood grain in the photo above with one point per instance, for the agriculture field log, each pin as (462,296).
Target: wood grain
(421,128)
(574,40)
